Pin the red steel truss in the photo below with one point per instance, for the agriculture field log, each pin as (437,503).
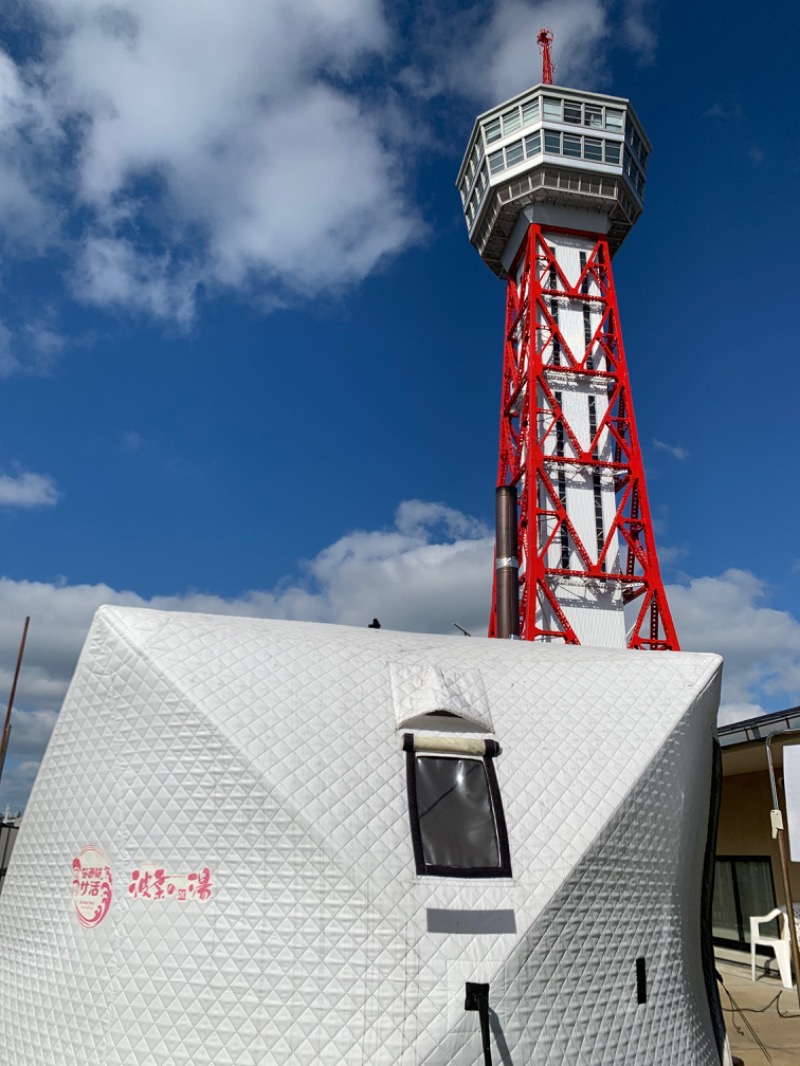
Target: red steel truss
(539,449)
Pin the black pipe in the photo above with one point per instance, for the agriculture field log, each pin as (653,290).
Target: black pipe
(506,563)
(477,998)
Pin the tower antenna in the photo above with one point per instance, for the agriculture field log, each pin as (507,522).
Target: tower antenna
(545,39)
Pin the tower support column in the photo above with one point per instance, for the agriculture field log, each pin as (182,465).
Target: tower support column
(569,447)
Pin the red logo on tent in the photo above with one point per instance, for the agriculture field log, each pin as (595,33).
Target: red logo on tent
(91,885)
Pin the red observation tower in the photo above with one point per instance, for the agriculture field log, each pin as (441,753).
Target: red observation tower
(551,183)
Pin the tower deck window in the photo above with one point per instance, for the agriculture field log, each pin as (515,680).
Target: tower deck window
(572,145)
(533,144)
(572,112)
(491,131)
(511,121)
(552,142)
(514,154)
(530,112)
(614,119)
(457,823)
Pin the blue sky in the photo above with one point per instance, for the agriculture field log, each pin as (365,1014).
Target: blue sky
(251,363)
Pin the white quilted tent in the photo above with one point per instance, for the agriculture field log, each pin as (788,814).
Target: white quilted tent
(250,844)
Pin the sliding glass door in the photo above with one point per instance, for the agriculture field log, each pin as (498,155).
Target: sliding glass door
(743,888)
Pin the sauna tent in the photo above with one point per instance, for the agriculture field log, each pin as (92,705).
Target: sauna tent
(268,843)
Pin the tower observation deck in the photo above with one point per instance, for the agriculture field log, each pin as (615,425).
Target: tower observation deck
(551,184)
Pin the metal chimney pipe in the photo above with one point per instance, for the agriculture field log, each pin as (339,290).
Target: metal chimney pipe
(506,564)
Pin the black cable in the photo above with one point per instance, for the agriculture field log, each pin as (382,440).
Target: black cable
(756,1010)
(736,1008)
(776,999)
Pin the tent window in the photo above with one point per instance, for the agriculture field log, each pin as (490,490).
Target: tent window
(457,822)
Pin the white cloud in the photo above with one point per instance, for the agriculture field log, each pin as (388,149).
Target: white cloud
(29,218)
(111,272)
(27,490)
(17,784)
(488,52)
(761,645)
(671,449)
(44,341)
(9,364)
(430,569)
(729,108)
(30,350)
(261,148)
(426,572)
(417,518)
(30,729)
(132,441)
(207,145)
(637,28)
(510,56)
(729,713)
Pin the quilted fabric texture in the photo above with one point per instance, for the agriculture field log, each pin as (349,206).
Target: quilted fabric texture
(269,754)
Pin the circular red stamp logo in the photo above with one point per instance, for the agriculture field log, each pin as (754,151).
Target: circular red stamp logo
(91,885)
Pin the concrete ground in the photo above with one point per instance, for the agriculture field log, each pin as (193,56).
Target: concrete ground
(764,1006)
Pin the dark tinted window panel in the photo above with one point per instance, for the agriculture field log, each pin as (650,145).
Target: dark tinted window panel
(572,112)
(572,146)
(533,144)
(514,154)
(456,817)
(552,142)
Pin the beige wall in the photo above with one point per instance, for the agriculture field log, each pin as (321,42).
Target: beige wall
(744,827)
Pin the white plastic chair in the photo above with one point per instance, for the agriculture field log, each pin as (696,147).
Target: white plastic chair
(782,947)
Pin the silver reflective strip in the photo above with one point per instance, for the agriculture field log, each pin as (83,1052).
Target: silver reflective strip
(471,921)
(506,561)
